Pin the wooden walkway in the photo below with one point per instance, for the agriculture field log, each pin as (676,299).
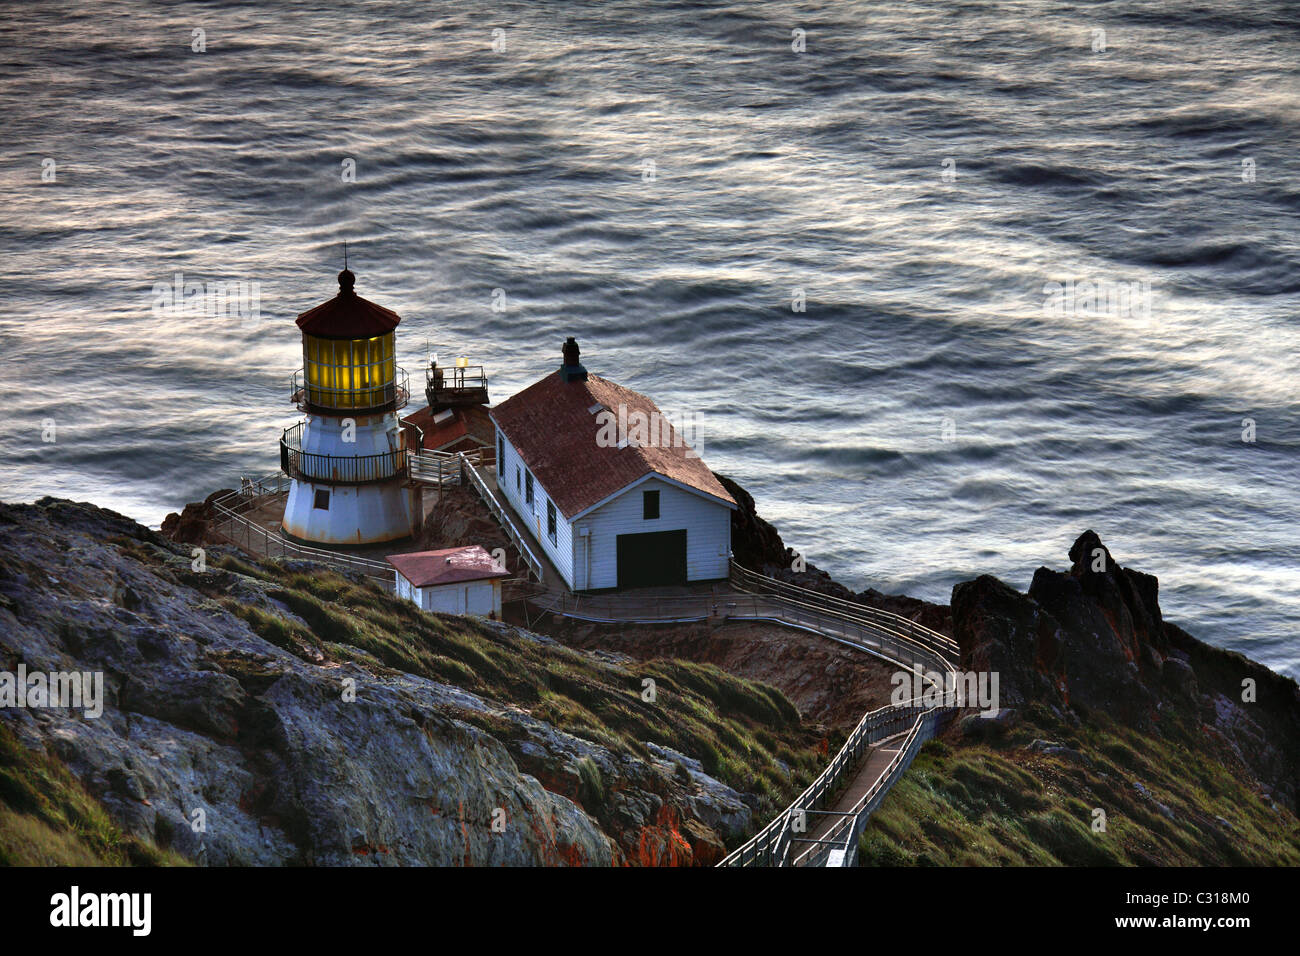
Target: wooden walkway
(824,826)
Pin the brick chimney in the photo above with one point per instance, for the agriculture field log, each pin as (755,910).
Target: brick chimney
(572,370)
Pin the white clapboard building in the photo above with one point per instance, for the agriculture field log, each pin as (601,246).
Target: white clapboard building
(610,490)
(453,580)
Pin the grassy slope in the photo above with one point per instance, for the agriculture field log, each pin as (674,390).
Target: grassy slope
(963,802)
(982,803)
(744,733)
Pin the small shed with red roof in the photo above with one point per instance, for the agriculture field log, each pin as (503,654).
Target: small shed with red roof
(452,580)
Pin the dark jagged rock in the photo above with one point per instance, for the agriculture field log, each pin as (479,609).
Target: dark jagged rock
(1179,678)
(1264,734)
(755,543)
(1098,657)
(1094,639)
(1001,631)
(194,524)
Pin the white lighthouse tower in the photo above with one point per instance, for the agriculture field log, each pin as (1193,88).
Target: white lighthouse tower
(348,458)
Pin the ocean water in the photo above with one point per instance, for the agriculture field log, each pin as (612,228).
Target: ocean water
(658,180)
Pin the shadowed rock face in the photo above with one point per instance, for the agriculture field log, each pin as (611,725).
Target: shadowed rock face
(1094,639)
(755,543)
(1003,632)
(203,714)
(194,523)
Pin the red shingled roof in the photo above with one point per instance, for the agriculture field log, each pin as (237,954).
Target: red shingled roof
(448,566)
(347,315)
(552,426)
(472,421)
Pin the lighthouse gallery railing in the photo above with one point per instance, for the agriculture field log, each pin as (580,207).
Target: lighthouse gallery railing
(336,469)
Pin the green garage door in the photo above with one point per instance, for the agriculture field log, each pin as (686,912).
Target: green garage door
(651,559)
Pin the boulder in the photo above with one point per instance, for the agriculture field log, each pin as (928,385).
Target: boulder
(194,523)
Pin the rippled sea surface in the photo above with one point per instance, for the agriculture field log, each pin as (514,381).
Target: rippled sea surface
(658,180)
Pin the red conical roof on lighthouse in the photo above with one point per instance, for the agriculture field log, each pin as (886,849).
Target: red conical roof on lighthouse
(347,315)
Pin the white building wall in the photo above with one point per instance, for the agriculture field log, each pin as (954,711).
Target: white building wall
(560,551)
(357,514)
(707,524)
(482,598)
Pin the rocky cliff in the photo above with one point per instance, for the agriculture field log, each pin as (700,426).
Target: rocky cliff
(1090,640)
(278,713)
(1093,641)
(1120,738)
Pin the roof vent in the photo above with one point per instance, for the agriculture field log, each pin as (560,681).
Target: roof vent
(572,370)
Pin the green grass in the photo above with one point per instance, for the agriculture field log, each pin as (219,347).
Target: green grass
(591,785)
(48,819)
(997,803)
(745,733)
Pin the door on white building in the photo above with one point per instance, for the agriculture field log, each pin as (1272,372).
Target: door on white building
(651,559)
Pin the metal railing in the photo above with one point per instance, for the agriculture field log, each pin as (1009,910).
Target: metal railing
(770,845)
(839,846)
(440,467)
(905,628)
(234,526)
(337,469)
(880,633)
(530,560)
(388,396)
(625,609)
(797,608)
(456,385)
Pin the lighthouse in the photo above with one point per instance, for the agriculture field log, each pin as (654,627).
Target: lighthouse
(347,459)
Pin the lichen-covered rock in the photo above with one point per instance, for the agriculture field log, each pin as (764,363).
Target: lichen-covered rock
(229,749)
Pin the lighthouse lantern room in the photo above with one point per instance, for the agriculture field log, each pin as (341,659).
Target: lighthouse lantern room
(347,459)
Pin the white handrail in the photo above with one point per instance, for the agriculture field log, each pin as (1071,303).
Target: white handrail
(740,576)
(249,495)
(885,635)
(909,647)
(499,512)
